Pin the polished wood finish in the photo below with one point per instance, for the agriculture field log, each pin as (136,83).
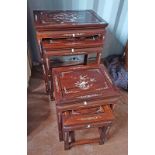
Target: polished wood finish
(76,120)
(81,42)
(84,94)
(82,87)
(70,19)
(101,118)
(80,83)
(47,53)
(66,52)
(68,32)
(62,33)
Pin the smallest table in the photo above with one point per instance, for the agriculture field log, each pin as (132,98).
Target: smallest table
(82,87)
(72,121)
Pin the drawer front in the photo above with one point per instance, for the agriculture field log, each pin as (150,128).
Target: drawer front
(73,51)
(86,104)
(70,34)
(77,44)
(87,126)
(100,116)
(81,42)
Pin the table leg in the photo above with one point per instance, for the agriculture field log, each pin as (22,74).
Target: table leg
(102,131)
(112,106)
(85,59)
(59,120)
(98,58)
(51,88)
(45,77)
(72,134)
(66,140)
(44,67)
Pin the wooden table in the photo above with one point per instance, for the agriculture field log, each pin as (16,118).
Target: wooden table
(68,32)
(82,86)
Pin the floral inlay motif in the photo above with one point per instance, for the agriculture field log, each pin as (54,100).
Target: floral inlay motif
(85,82)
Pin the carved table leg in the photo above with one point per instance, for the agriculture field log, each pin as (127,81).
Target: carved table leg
(45,78)
(98,58)
(112,106)
(45,75)
(51,88)
(59,122)
(66,140)
(72,134)
(102,131)
(47,68)
(85,59)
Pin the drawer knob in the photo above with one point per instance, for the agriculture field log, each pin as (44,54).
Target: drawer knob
(88,126)
(73,35)
(85,103)
(72,50)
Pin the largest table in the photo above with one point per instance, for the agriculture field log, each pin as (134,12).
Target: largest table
(66,29)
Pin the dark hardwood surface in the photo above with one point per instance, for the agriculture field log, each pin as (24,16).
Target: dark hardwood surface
(82,83)
(67,33)
(101,118)
(72,43)
(72,30)
(83,86)
(67,52)
(102,114)
(54,20)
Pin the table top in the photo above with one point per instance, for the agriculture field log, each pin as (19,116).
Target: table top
(55,20)
(82,83)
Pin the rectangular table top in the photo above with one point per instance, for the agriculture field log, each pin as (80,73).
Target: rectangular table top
(82,83)
(72,19)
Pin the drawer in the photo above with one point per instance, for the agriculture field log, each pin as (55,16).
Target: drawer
(71,33)
(65,43)
(72,51)
(86,104)
(90,119)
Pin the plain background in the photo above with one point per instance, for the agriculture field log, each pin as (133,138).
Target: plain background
(13,78)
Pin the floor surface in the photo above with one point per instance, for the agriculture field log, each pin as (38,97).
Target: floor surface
(42,126)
